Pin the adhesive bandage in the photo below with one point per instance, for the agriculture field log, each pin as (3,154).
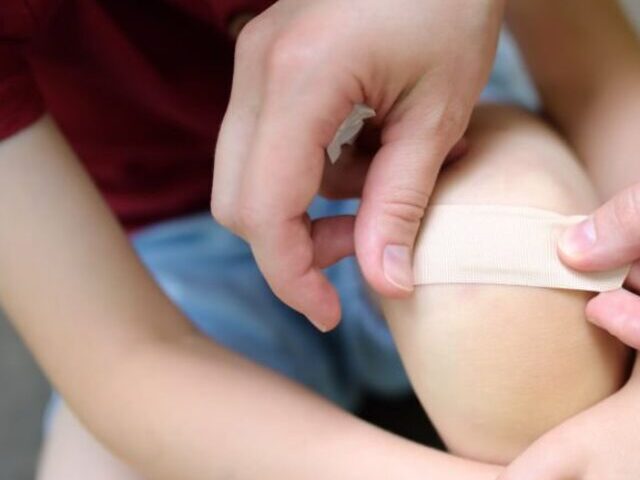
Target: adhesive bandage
(493,244)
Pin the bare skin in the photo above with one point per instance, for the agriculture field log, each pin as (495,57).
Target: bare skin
(69,370)
(505,380)
(134,371)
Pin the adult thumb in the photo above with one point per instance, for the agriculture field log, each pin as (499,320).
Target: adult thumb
(394,198)
(609,238)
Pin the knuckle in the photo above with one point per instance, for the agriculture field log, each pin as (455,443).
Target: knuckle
(293,51)
(248,219)
(223,214)
(253,37)
(286,56)
(405,207)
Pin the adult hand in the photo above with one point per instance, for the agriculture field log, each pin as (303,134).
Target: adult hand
(599,443)
(608,239)
(300,68)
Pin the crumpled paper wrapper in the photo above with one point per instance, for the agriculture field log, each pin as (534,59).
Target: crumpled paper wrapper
(349,130)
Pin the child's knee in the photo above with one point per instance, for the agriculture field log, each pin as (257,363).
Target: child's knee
(515,159)
(496,366)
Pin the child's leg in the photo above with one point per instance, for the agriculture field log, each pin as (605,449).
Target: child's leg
(70,453)
(496,366)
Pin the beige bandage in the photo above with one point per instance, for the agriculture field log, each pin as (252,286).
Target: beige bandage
(493,244)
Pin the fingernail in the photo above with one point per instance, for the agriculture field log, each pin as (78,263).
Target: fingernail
(579,239)
(396,263)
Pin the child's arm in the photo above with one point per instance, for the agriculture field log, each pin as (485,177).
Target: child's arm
(585,60)
(170,402)
(599,443)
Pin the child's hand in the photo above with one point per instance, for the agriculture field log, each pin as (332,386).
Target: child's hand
(300,68)
(601,443)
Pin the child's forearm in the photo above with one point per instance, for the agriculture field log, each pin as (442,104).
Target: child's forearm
(170,402)
(234,419)
(585,60)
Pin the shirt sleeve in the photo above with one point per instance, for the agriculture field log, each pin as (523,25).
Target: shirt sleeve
(20,101)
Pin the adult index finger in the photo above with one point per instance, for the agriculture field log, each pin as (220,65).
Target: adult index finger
(303,108)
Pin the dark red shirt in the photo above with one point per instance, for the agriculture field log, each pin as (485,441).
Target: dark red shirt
(138,87)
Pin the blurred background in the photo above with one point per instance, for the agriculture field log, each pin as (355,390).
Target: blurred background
(24,392)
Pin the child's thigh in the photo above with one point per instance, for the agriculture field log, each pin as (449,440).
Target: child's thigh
(70,452)
(497,366)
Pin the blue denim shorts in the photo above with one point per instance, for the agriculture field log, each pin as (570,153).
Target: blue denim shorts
(211,276)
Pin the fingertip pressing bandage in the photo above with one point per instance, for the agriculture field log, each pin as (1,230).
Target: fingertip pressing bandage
(503,245)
